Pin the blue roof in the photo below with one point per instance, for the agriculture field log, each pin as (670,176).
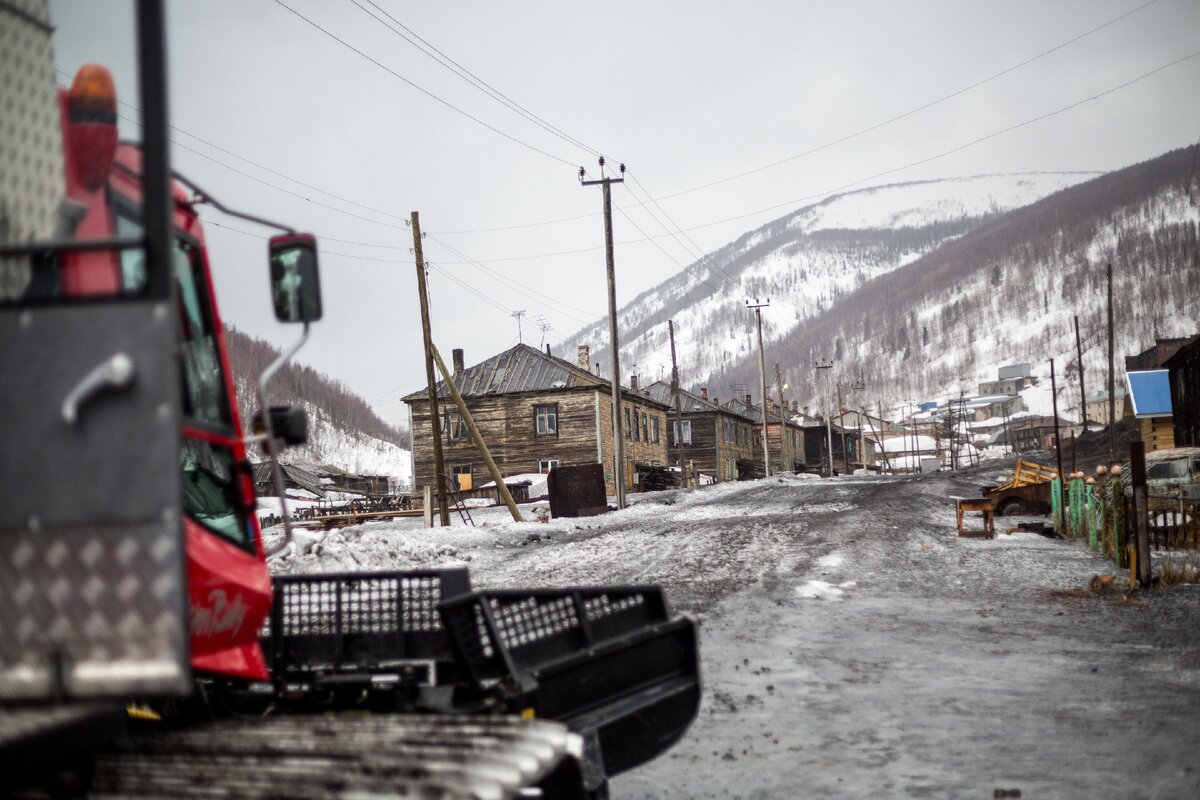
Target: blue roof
(1150,392)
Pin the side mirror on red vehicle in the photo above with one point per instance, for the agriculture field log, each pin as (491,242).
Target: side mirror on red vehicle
(295,284)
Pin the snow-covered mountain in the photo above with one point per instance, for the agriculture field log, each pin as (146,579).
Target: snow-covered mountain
(803,262)
(920,291)
(343,431)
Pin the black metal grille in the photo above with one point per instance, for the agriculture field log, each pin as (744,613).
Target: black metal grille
(358,622)
(501,633)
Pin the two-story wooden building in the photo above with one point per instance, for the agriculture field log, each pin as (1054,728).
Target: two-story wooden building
(535,412)
(717,440)
(784,438)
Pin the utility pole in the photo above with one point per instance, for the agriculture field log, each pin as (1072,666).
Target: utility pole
(617,426)
(675,398)
(1112,377)
(518,315)
(827,365)
(762,375)
(842,427)
(1062,478)
(784,464)
(1082,392)
(862,456)
(435,422)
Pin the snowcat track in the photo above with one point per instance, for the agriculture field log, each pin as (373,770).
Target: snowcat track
(311,757)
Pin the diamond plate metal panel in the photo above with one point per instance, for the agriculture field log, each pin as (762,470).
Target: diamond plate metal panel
(92,613)
(31,166)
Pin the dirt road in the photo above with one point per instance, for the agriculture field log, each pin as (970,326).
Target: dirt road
(853,646)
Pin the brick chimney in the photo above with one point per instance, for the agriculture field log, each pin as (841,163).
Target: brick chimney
(633,382)
(805,411)
(795,406)
(703,392)
(548,350)
(457,355)
(770,406)
(584,358)
(716,402)
(749,400)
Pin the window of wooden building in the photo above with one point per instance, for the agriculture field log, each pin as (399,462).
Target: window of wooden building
(547,464)
(682,431)
(461,473)
(546,419)
(456,427)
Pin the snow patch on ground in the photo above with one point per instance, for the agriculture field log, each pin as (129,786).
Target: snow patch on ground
(820,590)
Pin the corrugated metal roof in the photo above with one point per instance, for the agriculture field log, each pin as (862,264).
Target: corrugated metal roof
(752,413)
(518,370)
(297,475)
(660,392)
(1150,392)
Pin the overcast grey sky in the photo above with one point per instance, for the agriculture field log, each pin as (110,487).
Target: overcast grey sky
(686,93)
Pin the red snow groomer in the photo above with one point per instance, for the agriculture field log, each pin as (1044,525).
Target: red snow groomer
(144,649)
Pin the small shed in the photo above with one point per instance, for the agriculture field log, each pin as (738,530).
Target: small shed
(1149,402)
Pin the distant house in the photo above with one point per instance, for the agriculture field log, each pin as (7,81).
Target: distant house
(785,439)
(1184,371)
(1149,402)
(536,412)
(1033,433)
(870,431)
(297,477)
(718,440)
(1096,407)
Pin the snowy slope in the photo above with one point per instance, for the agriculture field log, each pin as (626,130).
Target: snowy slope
(1009,292)
(803,262)
(350,450)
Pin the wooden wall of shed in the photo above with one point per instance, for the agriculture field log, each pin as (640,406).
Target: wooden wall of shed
(1157,432)
(508,426)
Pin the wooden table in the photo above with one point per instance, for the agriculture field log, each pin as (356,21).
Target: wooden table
(964,505)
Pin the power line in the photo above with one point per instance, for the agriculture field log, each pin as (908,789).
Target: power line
(702,255)
(952,150)
(507,282)
(422,89)
(470,77)
(679,264)
(911,112)
(863,131)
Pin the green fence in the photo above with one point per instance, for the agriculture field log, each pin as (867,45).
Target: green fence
(1095,510)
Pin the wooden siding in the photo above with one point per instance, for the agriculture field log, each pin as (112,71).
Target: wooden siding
(709,450)
(508,426)
(635,450)
(1157,432)
(1185,395)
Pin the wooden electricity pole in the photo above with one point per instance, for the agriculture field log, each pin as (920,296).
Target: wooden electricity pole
(827,365)
(617,427)
(762,375)
(501,489)
(439,468)
(1112,378)
(1057,442)
(1082,391)
(784,464)
(842,428)
(676,401)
